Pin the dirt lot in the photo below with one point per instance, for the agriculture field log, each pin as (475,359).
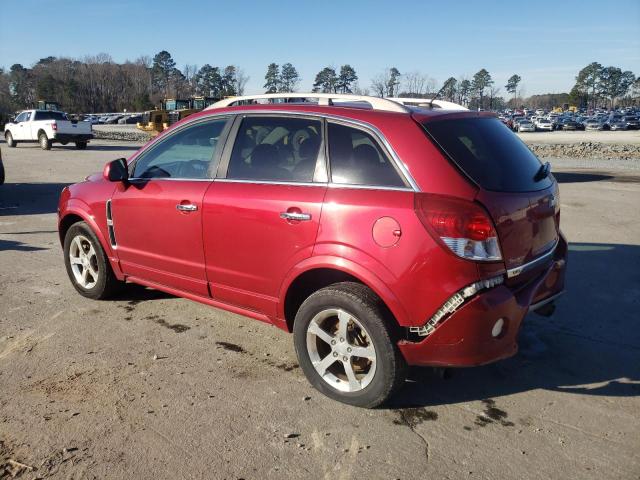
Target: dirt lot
(151,386)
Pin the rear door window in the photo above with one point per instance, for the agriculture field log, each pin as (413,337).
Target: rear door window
(356,158)
(281,149)
(488,153)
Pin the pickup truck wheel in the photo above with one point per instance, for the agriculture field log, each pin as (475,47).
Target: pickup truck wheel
(87,264)
(81,145)
(345,347)
(45,143)
(11,143)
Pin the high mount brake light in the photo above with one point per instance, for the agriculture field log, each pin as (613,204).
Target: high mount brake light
(463,226)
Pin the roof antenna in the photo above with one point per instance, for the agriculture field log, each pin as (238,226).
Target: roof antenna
(431,100)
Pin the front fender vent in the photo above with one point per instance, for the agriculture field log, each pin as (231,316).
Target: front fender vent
(110,229)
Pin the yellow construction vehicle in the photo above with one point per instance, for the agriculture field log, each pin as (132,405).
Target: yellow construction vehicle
(153,121)
(179,109)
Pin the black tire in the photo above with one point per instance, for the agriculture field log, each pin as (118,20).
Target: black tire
(106,284)
(360,302)
(1,172)
(11,143)
(64,142)
(45,143)
(81,145)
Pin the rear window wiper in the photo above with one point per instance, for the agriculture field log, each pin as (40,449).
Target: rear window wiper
(543,172)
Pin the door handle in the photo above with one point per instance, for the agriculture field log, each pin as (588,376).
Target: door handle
(299,216)
(187,207)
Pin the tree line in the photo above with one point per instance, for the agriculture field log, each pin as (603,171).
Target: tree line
(98,84)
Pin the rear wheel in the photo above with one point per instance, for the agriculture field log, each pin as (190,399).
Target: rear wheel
(344,345)
(87,264)
(45,143)
(11,143)
(81,145)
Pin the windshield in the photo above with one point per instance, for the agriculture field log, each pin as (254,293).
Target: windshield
(488,153)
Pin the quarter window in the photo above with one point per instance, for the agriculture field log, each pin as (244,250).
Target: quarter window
(357,159)
(185,154)
(276,149)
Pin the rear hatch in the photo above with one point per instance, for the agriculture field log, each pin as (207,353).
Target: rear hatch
(522,200)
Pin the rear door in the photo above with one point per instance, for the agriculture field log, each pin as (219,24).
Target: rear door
(261,216)
(522,200)
(157,217)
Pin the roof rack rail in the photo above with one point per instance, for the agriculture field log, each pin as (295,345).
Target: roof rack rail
(376,103)
(427,102)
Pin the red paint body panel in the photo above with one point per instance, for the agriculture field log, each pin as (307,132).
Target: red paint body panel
(249,248)
(412,268)
(464,339)
(155,240)
(236,252)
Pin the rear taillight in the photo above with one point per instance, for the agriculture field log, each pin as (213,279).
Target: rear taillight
(463,226)
(54,126)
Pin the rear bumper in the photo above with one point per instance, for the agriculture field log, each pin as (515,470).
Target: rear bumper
(465,338)
(72,137)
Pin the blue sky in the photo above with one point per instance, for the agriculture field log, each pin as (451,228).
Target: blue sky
(545,42)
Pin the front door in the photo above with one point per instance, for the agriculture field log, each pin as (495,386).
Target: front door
(261,218)
(22,131)
(157,217)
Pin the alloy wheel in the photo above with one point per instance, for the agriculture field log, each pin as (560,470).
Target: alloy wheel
(84,262)
(341,350)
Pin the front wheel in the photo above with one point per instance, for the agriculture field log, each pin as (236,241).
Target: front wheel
(87,264)
(45,143)
(345,346)
(11,143)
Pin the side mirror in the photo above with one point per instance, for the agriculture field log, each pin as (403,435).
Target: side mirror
(116,171)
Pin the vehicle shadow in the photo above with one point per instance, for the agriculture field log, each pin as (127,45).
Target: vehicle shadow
(134,294)
(590,346)
(592,176)
(29,198)
(18,246)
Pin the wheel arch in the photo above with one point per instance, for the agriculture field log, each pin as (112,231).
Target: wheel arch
(42,130)
(319,272)
(74,214)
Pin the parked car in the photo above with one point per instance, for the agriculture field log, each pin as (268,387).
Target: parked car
(113,119)
(596,124)
(618,124)
(526,126)
(381,237)
(544,124)
(570,124)
(47,127)
(632,121)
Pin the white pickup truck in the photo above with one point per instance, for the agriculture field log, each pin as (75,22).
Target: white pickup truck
(46,127)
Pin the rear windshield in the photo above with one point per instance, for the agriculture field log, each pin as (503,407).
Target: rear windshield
(488,153)
(50,116)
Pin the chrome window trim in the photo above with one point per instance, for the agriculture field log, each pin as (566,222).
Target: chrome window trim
(514,272)
(398,163)
(271,182)
(168,179)
(311,184)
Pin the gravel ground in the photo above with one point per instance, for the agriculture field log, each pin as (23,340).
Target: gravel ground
(152,386)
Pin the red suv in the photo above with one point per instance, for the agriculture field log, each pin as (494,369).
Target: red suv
(381,234)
